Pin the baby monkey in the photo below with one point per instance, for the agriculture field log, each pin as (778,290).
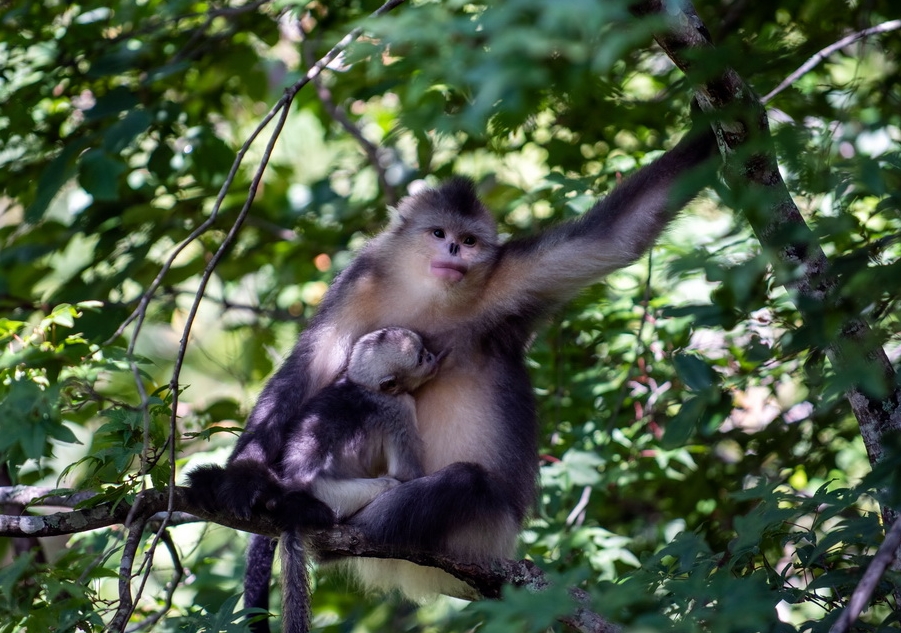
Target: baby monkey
(357,437)
(350,442)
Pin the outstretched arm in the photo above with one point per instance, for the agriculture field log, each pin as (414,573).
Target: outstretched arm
(553,267)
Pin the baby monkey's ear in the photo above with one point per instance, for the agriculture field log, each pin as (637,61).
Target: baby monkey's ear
(388,384)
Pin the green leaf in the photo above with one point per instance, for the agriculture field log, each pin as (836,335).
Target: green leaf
(120,135)
(694,372)
(210,157)
(119,99)
(160,474)
(60,170)
(99,174)
(680,428)
(582,467)
(27,413)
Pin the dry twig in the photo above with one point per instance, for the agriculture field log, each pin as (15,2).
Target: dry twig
(807,66)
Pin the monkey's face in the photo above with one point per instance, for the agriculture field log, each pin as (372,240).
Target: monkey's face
(452,253)
(412,363)
(446,238)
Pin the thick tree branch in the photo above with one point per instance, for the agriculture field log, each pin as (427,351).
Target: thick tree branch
(149,505)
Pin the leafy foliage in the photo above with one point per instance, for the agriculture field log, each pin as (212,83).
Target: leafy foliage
(701,469)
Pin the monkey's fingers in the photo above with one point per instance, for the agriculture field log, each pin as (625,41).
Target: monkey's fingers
(300,509)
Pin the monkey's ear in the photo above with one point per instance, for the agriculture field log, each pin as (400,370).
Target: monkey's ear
(396,218)
(388,384)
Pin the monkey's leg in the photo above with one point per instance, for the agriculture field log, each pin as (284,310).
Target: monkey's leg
(347,496)
(461,509)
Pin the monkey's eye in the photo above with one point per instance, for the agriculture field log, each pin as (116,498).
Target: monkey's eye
(469,240)
(439,233)
(420,357)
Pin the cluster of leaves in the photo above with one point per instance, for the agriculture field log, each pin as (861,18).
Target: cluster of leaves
(701,469)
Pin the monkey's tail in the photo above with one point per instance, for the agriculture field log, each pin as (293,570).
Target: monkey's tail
(295,583)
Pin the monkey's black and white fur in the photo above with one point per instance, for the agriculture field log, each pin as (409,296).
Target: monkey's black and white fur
(357,437)
(354,440)
(439,269)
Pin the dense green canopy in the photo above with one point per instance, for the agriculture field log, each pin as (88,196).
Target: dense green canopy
(702,466)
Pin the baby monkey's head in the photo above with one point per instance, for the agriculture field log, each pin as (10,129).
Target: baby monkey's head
(392,360)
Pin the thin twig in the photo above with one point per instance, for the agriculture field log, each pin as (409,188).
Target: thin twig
(170,588)
(806,67)
(338,114)
(884,557)
(126,601)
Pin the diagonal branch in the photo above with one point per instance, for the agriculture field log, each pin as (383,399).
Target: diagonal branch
(751,167)
(807,66)
(129,553)
(171,586)
(886,555)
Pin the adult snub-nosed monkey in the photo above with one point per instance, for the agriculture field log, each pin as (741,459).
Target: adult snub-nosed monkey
(438,269)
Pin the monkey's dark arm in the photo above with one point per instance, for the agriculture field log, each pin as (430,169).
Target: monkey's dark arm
(551,268)
(251,481)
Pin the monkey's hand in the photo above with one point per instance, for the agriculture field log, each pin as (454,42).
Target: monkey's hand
(300,509)
(241,488)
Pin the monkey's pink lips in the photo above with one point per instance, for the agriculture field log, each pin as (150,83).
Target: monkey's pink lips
(450,270)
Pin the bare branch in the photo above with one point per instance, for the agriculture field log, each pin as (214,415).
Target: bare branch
(63,522)
(12,506)
(170,588)
(807,66)
(126,602)
(885,556)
